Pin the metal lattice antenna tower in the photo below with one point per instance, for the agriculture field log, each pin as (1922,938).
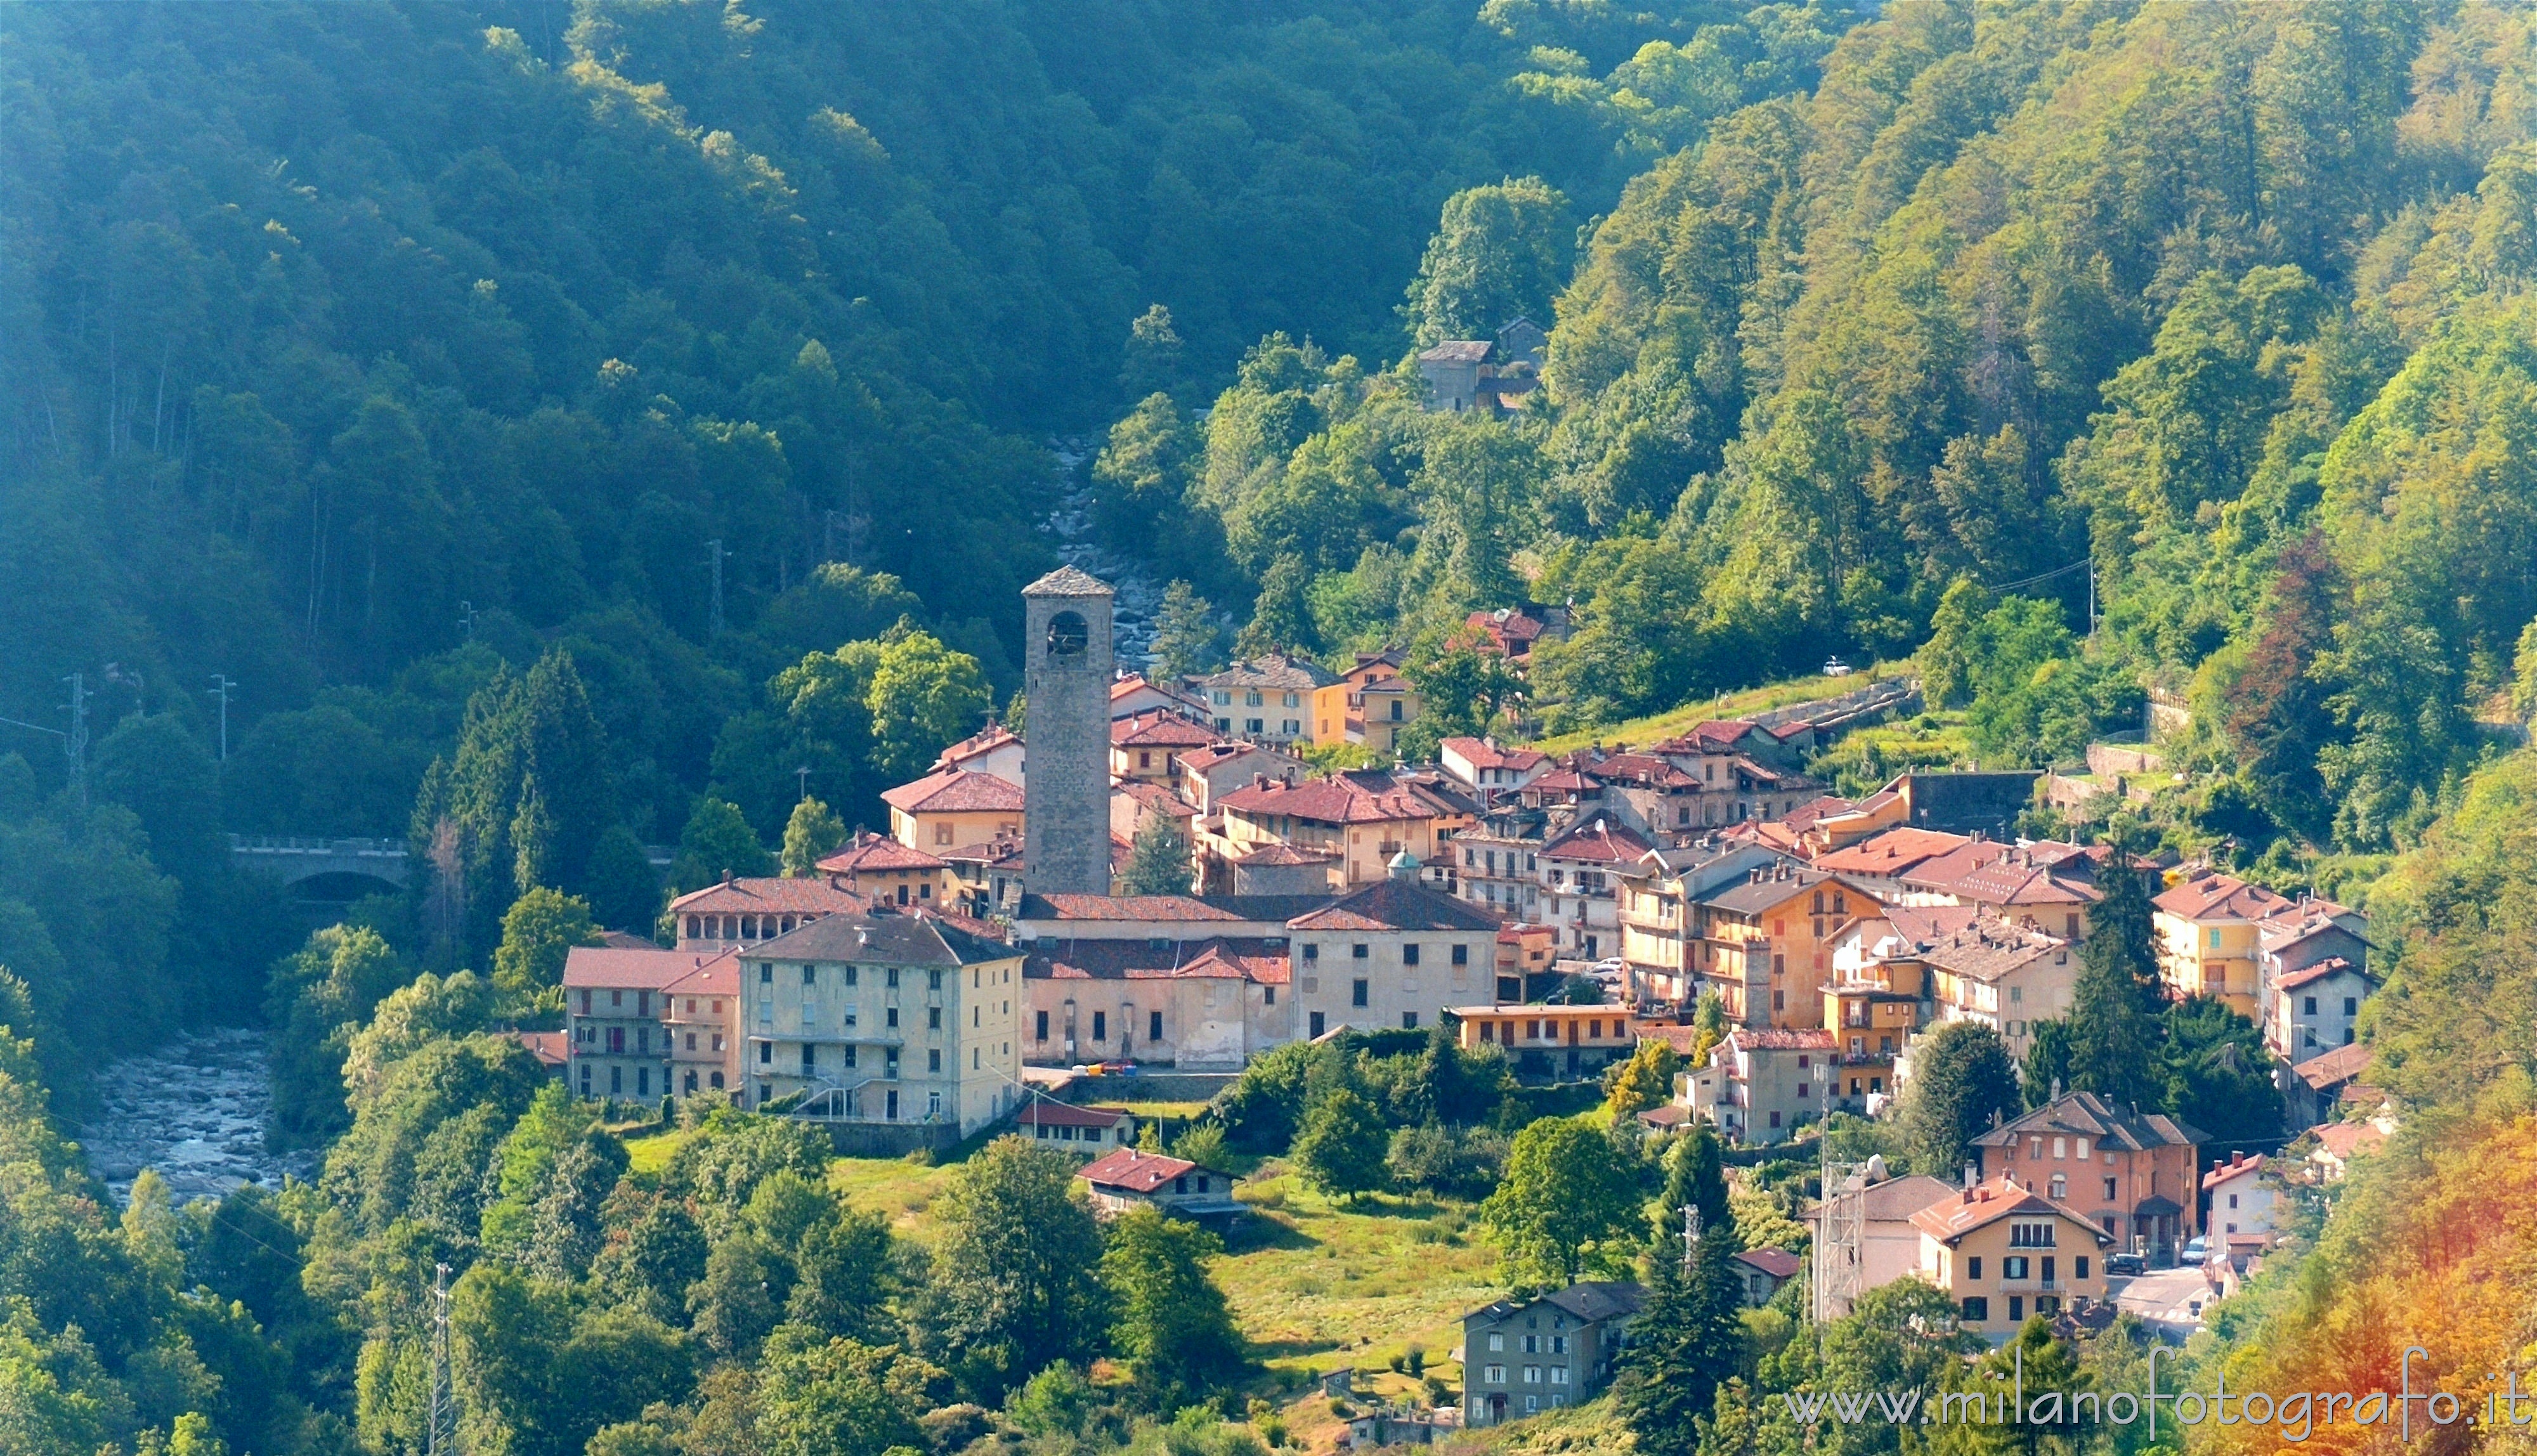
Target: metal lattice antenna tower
(714,546)
(440,1420)
(222,682)
(1690,1234)
(1841,1241)
(77,741)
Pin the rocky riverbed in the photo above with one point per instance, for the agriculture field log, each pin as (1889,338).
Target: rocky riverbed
(195,1110)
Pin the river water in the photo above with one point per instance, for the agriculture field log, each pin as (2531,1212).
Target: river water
(195,1110)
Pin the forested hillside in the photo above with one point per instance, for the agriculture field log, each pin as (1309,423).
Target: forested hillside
(2220,308)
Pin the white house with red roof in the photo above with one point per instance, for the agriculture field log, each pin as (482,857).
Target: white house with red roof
(1130,1180)
(1581,872)
(993,749)
(2239,1198)
(700,1016)
(1199,983)
(1134,693)
(1489,770)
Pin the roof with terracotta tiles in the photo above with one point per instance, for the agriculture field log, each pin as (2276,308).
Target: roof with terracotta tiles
(1159,730)
(2331,966)
(1397,905)
(1894,852)
(1140,1172)
(867,853)
(2220,897)
(1155,799)
(1598,841)
(904,937)
(1251,958)
(977,746)
(1003,851)
(1716,736)
(719,975)
(607,967)
(1042,1113)
(1276,854)
(1990,950)
(1779,1038)
(1358,797)
(1950,1219)
(1480,753)
(954,792)
(762,894)
(2332,1068)
(1941,870)
(2089,1116)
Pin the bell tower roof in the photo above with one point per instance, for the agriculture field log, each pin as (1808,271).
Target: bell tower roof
(1069,581)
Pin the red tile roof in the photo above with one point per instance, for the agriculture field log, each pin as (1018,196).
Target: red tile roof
(1397,905)
(1778,1263)
(604,968)
(869,852)
(1148,907)
(1716,736)
(1140,1172)
(1481,754)
(1159,730)
(1597,840)
(2238,1167)
(1951,1219)
(1780,1039)
(2330,966)
(760,895)
(977,746)
(2344,1139)
(1246,958)
(719,975)
(1003,852)
(1940,871)
(1894,852)
(550,1049)
(1359,797)
(956,790)
(2330,1068)
(2220,897)
(1271,854)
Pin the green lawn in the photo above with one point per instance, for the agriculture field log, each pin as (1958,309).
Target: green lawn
(1641,731)
(1316,1286)
(651,1152)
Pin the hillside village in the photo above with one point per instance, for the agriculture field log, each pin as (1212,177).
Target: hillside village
(1698,899)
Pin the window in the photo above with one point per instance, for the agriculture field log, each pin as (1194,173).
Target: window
(2215,938)
(889,1018)
(934,981)
(2352,1005)
(2016,1308)
(766,1054)
(1358,951)
(1774,1117)
(942,834)
(1267,996)
(1801,1091)
(1410,1021)
(2309,1008)
(889,978)
(1100,1026)
(1495,1376)
(2060,1187)
(1312,950)
(2013,1266)
(2080,1267)
(2030,1235)
(1357,992)
(1462,955)
(809,1060)
(1532,1377)
(615,1080)
(934,1059)
(1318,1024)
(1973,1267)
(1153,1026)
(933,1017)
(1410,953)
(2233,1200)
(1497,1341)
(2110,1191)
(1043,1026)
(1977,1310)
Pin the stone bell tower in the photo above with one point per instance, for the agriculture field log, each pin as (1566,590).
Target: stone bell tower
(1066,782)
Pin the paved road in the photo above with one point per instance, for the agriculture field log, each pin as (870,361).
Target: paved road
(2164,1299)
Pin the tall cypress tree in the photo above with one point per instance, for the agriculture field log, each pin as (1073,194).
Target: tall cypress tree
(2115,1004)
(1689,1336)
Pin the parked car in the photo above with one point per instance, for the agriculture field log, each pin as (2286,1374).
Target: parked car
(2197,1250)
(2125,1264)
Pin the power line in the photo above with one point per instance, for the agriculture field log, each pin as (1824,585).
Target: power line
(440,1420)
(2046,576)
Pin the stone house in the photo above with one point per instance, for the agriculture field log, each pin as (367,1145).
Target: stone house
(1392,954)
(885,1017)
(1195,982)
(2003,977)
(1523,1357)
(1760,1085)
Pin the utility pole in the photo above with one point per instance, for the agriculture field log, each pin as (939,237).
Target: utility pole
(467,621)
(440,1418)
(715,546)
(222,682)
(802,774)
(2091,599)
(77,741)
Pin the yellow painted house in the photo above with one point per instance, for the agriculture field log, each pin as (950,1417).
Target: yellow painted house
(2002,1251)
(2210,938)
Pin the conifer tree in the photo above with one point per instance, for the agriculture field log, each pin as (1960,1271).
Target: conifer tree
(2113,1025)
(1158,861)
(1688,1337)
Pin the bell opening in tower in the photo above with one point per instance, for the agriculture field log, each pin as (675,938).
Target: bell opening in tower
(1068,638)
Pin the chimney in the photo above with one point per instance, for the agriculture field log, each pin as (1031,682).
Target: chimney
(1972,1175)
(727,878)
(2057,1089)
